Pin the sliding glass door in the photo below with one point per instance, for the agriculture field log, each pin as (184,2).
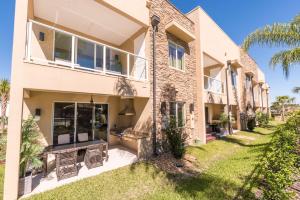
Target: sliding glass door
(63,123)
(72,120)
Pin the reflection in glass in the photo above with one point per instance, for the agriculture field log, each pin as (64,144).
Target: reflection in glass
(85,54)
(63,122)
(63,47)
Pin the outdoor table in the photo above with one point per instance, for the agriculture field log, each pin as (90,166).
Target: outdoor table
(56,149)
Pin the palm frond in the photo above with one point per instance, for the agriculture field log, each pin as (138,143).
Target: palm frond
(296,90)
(274,35)
(286,59)
(4,87)
(296,20)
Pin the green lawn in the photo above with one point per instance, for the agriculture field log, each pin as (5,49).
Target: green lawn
(1,180)
(229,169)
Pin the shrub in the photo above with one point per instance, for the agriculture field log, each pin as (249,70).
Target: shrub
(176,139)
(280,163)
(262,119)
(2,146)
(251,123)
(30,147)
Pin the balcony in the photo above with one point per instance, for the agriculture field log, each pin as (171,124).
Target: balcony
(47,45)
(214,91)
(213,85)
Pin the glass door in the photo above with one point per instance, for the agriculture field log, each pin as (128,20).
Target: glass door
(63,123)
(84,120)
(101,121)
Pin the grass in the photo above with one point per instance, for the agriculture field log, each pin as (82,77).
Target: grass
(229,171)
(1,180)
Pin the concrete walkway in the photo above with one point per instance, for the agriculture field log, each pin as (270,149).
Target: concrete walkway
(118,157)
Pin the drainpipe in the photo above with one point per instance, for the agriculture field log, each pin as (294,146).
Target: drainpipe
(155,20)
(261,98)
(228,69)
(252,91)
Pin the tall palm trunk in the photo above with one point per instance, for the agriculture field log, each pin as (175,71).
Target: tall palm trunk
(282,112)
(3,111)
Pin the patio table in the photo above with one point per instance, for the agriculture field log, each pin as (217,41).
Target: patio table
(57,149)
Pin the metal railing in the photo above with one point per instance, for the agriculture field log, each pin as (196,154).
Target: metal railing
(213,85)
(52,46)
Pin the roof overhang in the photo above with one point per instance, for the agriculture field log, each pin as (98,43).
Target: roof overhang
(180,32)
(88,17)
(236,63)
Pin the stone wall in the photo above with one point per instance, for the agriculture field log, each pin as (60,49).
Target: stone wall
(249,66)
(173,84)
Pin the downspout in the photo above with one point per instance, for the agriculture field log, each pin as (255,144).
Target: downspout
(252,91)
(228,69)
(155,20)
(262,99)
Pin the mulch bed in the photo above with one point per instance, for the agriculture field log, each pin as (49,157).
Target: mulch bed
(185,166)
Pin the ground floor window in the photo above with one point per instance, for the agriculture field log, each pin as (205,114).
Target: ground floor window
(177,113)
(79,122)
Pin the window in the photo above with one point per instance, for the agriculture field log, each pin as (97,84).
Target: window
(176,56)
(233,78)
(177,113)
(85,53)
(248,82)
(63,47)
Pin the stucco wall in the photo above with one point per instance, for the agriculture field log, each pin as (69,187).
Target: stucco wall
(45,100)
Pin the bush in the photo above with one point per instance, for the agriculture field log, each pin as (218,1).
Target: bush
(176,139)
(2,146)
(251,123)
(280,163)
(262,119)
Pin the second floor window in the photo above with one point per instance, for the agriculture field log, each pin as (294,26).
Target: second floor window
(248,82)
(177,113)
(176,56)
(233,78)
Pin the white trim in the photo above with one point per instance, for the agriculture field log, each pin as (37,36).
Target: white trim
(74,55)
(29,41)
(177,46)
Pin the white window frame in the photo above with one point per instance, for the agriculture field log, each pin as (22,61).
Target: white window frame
(176,112)
(177,46)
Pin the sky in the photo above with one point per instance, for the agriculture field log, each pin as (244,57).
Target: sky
(237,18)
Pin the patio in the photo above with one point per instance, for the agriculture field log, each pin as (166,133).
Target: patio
(119,156)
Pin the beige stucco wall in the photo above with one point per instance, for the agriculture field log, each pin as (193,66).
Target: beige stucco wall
(136,9)
(45,101)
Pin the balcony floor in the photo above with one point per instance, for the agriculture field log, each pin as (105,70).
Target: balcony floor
(119,156)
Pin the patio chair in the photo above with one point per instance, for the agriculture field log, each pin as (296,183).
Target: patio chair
(94,157)
(66,164)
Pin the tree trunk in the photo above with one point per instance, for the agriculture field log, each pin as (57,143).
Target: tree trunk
(282,112)
(3,112)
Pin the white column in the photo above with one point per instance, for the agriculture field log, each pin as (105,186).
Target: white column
(128,65)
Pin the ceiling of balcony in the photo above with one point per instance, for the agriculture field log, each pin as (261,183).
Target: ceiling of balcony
(210,61)
(88,17)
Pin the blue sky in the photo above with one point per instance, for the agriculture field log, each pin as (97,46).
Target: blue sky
(237,18)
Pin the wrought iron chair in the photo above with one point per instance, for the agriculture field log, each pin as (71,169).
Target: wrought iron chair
(94,157)
(66,164)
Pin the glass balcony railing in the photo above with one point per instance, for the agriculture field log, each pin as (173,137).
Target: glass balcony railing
(213,85)
(49,45)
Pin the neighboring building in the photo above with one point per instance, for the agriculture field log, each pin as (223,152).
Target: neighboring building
(88,70)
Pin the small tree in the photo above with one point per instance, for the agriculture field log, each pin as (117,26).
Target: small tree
(4,95)
(176,139)
(262,119)
(281,161)
(281,103)
(30,147)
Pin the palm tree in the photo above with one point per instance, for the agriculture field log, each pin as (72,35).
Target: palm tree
(296,90)
(4,94)
(279,34)
(282,102)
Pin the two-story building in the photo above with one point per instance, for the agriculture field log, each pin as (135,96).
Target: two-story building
(85,70)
